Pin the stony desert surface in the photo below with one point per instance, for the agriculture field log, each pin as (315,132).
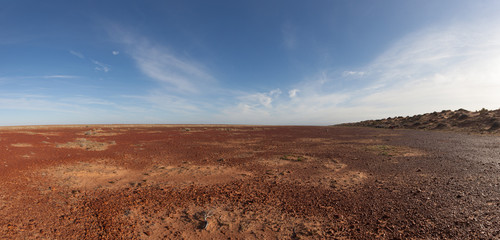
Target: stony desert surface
(247,182)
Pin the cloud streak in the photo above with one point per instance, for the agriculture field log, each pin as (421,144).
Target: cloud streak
(178,74)
(77,54)
(101,66)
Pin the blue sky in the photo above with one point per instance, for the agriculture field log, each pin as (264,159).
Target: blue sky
(245,62)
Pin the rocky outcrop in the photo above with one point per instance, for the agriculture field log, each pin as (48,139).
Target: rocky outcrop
(483,121)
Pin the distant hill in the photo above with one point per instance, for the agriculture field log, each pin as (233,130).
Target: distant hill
(483,121)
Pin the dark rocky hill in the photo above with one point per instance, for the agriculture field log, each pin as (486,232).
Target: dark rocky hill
(483,121)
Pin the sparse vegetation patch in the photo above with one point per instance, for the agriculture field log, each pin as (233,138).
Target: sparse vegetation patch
(293,158)
(83,143)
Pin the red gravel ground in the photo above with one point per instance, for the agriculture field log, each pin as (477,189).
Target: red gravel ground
(247,182)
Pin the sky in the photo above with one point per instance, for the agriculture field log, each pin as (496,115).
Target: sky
(245,62)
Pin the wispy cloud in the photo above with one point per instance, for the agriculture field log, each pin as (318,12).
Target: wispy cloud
(178,73)
(353,73)
(164,101)
(77,54)
(86,100)
(101,66)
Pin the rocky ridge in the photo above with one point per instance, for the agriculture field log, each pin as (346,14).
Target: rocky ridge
(482,121)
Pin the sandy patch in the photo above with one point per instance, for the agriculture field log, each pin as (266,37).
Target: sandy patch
(335,174)
(91,176)
(22,145)
(193,174)
(234,143)
(3,203)
(99,133)
(82,143)
(311,171)
(246,141)
(334,165)
(216,222)
(31,154)
(343,179)
(39,133)
(152,132)
(284,160)
(314,139)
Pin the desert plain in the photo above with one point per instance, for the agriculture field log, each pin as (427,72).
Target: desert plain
(247,182)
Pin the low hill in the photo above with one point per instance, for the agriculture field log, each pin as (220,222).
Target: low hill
(483,121)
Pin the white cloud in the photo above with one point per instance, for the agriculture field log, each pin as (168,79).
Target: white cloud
(115,52)
(275,93)
(293,93)
(101,66)
(260,108)
(257,100)
(180,74)
(353,73)
(79,55)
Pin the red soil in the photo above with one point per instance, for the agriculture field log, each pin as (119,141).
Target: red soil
(246,182)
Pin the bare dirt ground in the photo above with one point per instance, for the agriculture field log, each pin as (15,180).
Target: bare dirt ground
(247,182)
